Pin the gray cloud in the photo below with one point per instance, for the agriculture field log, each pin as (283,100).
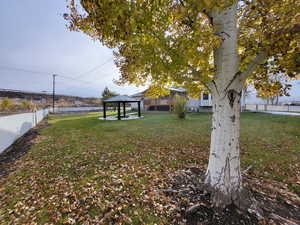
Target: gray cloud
(34,37)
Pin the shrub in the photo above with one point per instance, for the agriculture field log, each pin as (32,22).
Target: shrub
(28,105)
(180,106)
(7,104)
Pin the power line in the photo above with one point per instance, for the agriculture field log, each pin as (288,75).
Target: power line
(22,70)
(89,83)
(95,68)
(74,79)
(42,72)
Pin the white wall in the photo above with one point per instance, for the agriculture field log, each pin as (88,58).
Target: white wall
(193,104)
(275,108)
(134,105)
(14,126)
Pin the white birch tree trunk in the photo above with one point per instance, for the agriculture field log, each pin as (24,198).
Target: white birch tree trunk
(223,176)
(223,173)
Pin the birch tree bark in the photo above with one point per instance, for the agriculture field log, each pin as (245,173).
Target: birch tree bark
(223,175)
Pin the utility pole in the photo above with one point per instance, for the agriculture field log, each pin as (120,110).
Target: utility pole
(54,75)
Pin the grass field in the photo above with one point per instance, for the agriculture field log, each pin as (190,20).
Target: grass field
(109,172)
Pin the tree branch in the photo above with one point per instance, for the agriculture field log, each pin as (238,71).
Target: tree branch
(232,80)
(293,30)
(207,84)
(261,56)
(191,21)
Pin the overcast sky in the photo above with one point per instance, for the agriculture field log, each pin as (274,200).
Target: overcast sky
(34,37)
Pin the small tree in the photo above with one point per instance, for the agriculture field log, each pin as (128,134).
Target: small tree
(272,88)
(28,105)
(7,104)
(180,106)
(106,94)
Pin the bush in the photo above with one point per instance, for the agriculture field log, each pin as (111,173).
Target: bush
(7,104)
(28,105)
(180,106)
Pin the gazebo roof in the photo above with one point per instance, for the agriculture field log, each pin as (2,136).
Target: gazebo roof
(121,98)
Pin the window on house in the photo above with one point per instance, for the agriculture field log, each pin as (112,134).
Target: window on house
(205,96)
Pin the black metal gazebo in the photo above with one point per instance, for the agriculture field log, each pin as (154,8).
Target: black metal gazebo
(118,100)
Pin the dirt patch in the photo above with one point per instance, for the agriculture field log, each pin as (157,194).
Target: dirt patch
(19,149)
(193,205)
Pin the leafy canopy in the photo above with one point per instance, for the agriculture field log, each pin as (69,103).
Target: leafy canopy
(272,87)
(172,42)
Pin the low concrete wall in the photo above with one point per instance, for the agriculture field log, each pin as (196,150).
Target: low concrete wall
(84,109)
(14,126)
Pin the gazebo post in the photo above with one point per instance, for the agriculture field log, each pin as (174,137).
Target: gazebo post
(104,110)
(119,111)
(120,100)
(124,109)
(139,108)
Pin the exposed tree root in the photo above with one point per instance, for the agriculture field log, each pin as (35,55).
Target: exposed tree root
(240,198)
(195,207)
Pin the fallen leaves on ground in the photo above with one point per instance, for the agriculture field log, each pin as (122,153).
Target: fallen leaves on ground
(86,171)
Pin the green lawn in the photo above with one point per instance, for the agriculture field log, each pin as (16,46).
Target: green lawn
(110,172)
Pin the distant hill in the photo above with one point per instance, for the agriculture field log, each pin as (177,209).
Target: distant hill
(46,99)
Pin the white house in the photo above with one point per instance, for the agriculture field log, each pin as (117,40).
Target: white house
(203,103)
(165,103)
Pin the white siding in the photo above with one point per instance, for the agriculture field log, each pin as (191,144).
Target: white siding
(206,102)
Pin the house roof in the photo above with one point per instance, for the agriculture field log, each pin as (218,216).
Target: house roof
(141,94)
(121,98)
(177,89)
